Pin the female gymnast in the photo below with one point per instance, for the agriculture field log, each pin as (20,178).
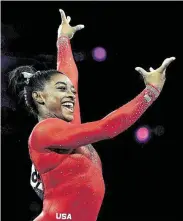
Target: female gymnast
(69,169)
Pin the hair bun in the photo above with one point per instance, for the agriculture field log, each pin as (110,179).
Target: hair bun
(18,78)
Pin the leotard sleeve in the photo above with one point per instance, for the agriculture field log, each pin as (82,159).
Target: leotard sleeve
(67,65)
(54,132)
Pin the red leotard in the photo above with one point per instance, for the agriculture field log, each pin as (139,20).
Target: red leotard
(73,182)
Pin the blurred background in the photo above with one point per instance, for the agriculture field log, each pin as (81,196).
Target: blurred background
(140,165)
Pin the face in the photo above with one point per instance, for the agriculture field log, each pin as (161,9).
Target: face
(59,96)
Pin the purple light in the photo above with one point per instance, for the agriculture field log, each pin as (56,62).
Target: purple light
(142,134)
(99,54)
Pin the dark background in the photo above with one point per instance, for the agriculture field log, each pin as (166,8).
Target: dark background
(141,179)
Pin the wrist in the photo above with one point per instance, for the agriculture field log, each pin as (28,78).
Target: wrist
(156,83)
(155,90)
(62,40)
(68,35)
(156,87)
(63,36)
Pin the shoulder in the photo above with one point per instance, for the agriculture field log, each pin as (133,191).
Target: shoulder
(47,124)
(46,128)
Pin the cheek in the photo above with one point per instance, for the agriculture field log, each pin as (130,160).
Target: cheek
(53,101)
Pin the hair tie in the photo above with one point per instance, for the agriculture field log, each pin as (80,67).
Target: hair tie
(27,76)
(38,72)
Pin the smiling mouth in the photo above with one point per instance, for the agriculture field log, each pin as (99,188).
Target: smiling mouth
(69,106)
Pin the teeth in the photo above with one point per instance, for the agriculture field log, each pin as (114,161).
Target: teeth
(68,104)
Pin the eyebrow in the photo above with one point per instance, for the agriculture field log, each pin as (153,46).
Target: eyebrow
(61,82)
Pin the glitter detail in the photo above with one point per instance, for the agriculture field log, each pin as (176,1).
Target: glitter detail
(147,98)
(153,90)
(62,42)
(124,117)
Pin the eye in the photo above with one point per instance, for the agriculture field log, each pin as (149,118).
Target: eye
(62,88)
(74,92)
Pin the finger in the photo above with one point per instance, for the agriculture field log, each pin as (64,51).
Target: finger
(78,27)
(141,71)
(164,73)
(165,64)
(68,19)
(151,69)
(63,17)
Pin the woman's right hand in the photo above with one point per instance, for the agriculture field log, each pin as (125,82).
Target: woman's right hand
(156,77)
(65,29)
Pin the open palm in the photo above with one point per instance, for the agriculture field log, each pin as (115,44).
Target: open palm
(156,77)
(65,28)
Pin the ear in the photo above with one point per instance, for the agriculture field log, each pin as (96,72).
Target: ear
(37,96)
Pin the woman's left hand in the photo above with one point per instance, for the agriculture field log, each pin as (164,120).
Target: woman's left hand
(65,29)
(156,77)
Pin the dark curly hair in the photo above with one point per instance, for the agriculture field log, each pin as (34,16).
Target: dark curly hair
(22,89)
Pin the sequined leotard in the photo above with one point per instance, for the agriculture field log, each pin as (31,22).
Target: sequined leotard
(73,182)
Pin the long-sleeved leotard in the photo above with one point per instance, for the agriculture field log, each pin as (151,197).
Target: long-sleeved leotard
(74,185)
(67,65)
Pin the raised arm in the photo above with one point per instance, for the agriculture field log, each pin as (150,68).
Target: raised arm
(65,60)
(56,133)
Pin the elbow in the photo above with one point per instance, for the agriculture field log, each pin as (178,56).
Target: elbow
(108,129)
(111,134)
(113,128)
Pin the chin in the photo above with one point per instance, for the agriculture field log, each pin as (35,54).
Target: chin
(66,118)
(69,118)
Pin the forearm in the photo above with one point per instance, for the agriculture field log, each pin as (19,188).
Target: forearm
(65,60)
(124,117)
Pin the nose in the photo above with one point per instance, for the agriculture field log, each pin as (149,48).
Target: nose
(71,95)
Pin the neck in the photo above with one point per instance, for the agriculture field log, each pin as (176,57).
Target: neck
(46,116)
